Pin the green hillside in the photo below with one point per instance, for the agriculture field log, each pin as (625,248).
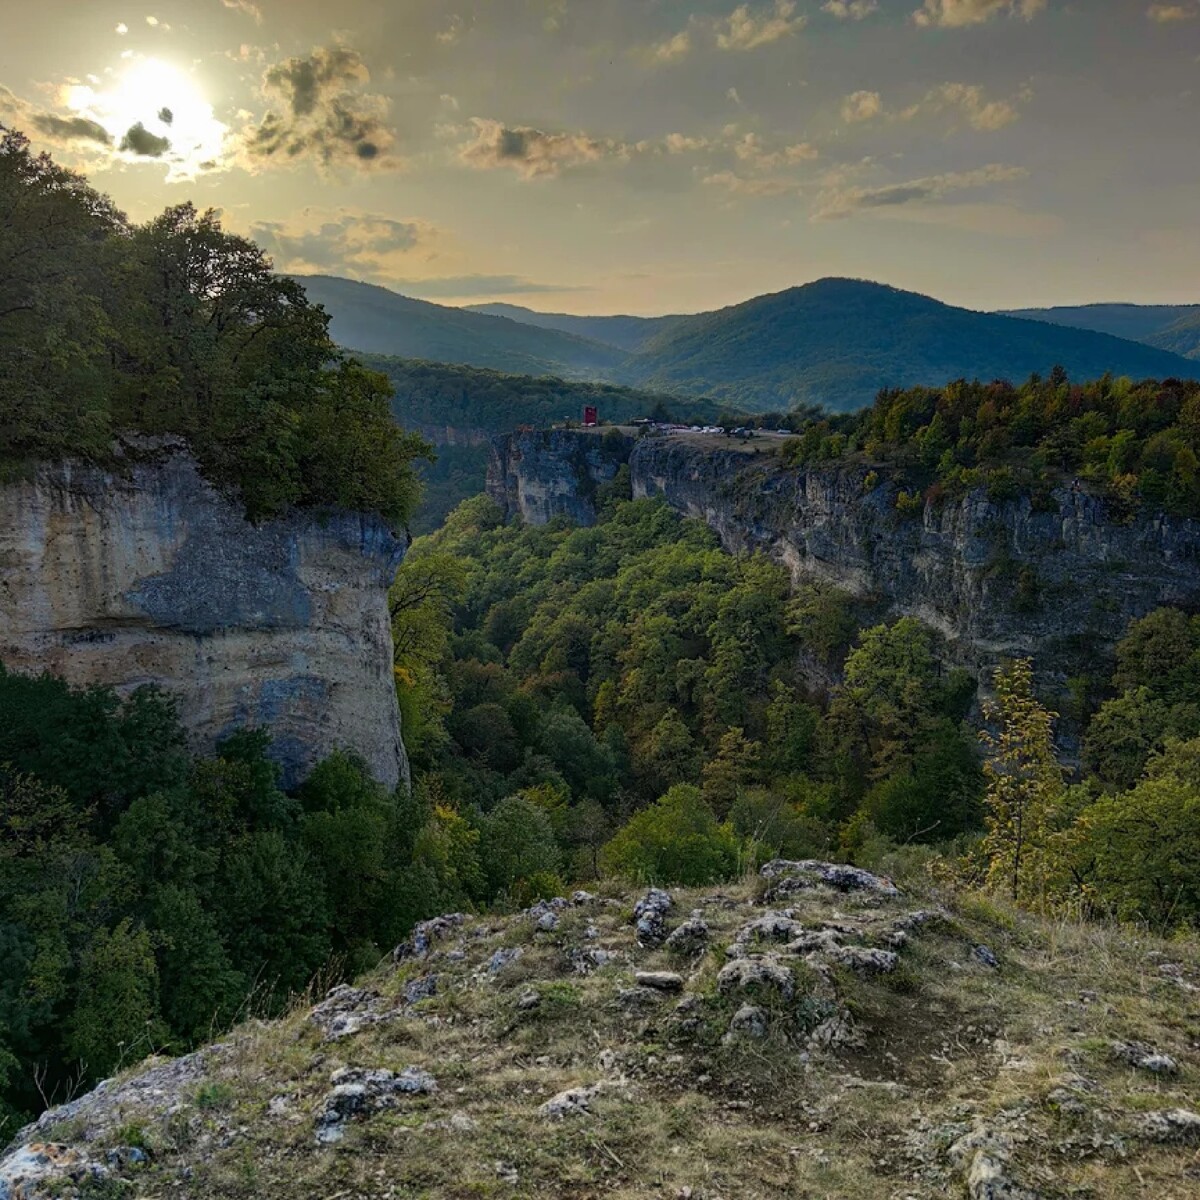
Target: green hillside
(1138,322)
(379,321)
(839,341)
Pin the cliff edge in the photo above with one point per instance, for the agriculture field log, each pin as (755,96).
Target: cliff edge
(1059,578)
(147,574)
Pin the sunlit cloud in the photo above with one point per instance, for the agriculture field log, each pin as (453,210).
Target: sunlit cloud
(246,8)
(958,14)
(320,114)
(850,10)
(670,50)
(837,203)
(365,245)
(534,153)
(861,106)
(1166,14)
(748,28)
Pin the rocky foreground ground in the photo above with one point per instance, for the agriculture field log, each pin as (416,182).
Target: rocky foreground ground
(814,1032)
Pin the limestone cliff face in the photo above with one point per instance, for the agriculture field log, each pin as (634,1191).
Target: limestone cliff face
(1060,581)
(551,473)
(149,575)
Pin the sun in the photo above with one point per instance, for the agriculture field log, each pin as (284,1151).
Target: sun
(157,112)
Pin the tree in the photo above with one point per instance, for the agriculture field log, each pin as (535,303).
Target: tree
(1024,782)
(1137,854)
(735,764)
(517,845)
(676,840)
(668,756)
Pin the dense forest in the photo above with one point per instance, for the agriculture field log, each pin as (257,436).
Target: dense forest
(630,699)
(177,327)
(1135,441)
(148,898)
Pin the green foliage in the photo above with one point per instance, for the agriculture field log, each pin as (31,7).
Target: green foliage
(677,840)
(1134,443)
(1024,785)
(517,846)
(1136,855)
(148,898)
(178,327)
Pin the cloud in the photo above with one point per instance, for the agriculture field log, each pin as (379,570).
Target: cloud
(958,14)
(739,185)
(363,244)
(750,150)
(321,114)
(967,99)
(246,8)
(669,50)
(982,114)
(1165,14)
(745,29)
(50,127)
(861,106)
(681,143)
(140,141)
(534,153)
(122,29)
(453,31)
(839,203)
(851,10)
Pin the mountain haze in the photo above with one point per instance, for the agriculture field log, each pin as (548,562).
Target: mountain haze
(624,332)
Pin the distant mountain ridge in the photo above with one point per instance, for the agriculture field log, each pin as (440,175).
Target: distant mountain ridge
(835,342)
(377,320)
(625,332)
(1173,327)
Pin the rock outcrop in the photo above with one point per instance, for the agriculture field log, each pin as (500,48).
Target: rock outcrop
(149,575)
(1059,578)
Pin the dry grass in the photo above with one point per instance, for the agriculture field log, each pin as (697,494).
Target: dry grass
(948,1044)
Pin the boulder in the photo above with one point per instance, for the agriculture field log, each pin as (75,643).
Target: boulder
(659,981)
(756,974)
(650,917)
(788,876)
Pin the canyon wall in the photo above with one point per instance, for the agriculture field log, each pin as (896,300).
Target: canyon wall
(146,574)
(1059,580)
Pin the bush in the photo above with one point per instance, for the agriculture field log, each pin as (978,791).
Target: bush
(675,840)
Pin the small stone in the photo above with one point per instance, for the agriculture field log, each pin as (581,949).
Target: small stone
(548,922)
(985,956)
(689,938)
(660,981)
(865,961)
(1144,1058)
(756,974)
(502,957)
(581,897)
(420,989)
(1172,1125)
(574,1102)
(425,934)
(528,1000)
(749,1021)
(650,917)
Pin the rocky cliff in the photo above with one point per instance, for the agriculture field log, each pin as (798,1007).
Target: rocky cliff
(1058,579)
(148,575)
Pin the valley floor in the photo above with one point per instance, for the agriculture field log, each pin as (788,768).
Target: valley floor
(807,1033)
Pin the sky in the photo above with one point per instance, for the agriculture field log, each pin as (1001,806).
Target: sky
(645,156)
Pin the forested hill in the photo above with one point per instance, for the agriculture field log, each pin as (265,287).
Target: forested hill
(380,321)
(1173,327)
(839,341)
(835,342)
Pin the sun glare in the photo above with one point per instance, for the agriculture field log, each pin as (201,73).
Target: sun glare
(179,127)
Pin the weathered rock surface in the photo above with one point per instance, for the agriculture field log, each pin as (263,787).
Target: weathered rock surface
(149,575)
